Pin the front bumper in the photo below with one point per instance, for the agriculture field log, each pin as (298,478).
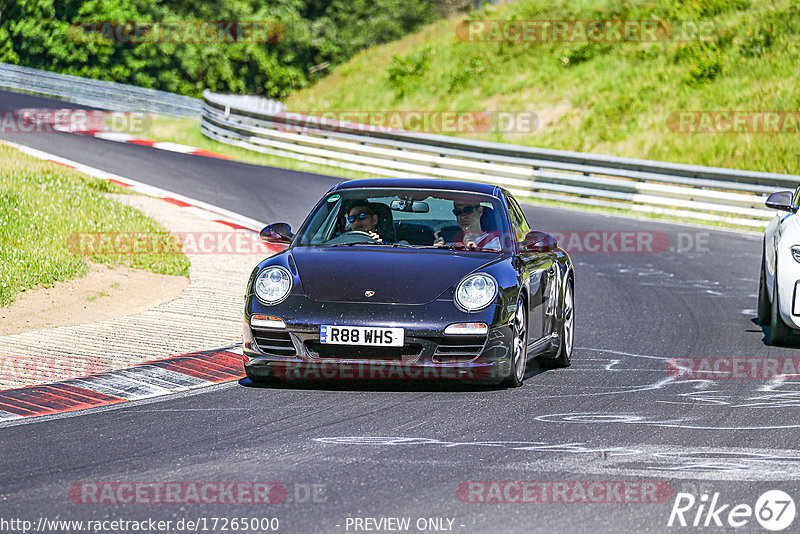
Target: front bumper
(427,354)
(299,369)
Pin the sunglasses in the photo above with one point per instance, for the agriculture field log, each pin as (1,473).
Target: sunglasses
(466,210)
(361,216)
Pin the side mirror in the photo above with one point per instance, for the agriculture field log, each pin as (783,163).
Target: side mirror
(781,200)
(277,233)
(539,242)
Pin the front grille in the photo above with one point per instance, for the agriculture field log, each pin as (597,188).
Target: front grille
(459,349)
(274,342)
(353,352)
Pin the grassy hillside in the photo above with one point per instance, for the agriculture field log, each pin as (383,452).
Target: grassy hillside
(612,97)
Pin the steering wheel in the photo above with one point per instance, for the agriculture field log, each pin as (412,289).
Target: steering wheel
(352,236)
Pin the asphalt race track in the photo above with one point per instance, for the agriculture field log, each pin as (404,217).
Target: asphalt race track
(403,450)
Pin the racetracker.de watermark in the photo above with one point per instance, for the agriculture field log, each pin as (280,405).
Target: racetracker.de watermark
(733,368)
(585,31)
(388,121)
(38,121)
(145,243)
(335,370)
(180,31)
(734,122)
(630,242)
(604,241)
(28,368)
(206,492)
(564,492)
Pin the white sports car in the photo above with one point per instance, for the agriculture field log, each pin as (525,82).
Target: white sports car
(779,290)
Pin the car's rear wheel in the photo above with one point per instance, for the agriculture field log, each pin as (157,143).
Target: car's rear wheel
(567,331)
(779,333)
(764,311)
(519,347)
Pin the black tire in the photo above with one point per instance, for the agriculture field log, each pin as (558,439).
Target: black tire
(764,306)
(566,334)
(779,333)
(519,347)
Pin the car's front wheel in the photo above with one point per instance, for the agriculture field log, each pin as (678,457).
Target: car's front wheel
(779,333)
(764,311)
(566,333)
(519,347)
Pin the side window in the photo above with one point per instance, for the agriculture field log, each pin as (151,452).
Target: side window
(796,199)
(519,224)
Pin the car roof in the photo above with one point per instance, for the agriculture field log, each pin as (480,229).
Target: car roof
(419,183)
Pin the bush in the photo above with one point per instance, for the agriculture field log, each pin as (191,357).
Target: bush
(405,71)
(39,34)
(709,8)
(705,61)
(464,74)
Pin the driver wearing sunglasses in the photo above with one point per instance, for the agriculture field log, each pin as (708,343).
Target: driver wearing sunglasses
(362,218)
(470,233)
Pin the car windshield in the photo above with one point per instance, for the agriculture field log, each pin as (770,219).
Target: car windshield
(407,218)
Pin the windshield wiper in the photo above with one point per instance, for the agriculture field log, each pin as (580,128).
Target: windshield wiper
(346,244)
(397,245)
(447,247)
(401,245)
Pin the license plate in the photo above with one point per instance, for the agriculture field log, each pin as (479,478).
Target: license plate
(361,335)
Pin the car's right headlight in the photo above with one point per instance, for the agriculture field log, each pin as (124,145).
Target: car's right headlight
(796,252)
(273,284)
(476,291)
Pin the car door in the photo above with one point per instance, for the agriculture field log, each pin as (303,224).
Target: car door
(537,270)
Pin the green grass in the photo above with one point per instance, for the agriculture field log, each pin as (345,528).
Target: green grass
(42,205)
(607,98)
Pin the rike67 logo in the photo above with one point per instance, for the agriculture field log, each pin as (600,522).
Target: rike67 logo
(774,510)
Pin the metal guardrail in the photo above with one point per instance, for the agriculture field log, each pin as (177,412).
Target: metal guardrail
(97,93)
(689,191)
(252,104)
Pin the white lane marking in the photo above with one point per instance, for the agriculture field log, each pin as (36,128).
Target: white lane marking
(697,461)
(118,385)
(627,419)
(161,377)
(6,416)
(115,136)
(662,358)
(174,147)
(121,137)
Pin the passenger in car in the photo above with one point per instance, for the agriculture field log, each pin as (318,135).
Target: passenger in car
(470,233)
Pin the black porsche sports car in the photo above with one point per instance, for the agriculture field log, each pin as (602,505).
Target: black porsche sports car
(410,278)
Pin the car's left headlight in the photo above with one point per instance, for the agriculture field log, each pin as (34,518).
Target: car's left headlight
(476,291)
(273,284)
